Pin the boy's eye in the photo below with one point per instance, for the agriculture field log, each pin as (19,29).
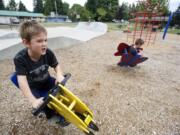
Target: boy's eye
(39,41)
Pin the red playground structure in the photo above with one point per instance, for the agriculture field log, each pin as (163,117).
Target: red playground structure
(145,23)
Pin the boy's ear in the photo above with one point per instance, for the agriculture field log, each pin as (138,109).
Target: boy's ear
(25,42)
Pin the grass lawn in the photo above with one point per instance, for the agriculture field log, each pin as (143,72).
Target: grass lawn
(59,24)
(118,26)
(174,31)
(115,26)
(8,26)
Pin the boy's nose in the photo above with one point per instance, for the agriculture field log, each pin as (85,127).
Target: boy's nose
(45,43)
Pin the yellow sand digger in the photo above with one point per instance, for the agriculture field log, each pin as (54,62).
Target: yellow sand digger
(65,103)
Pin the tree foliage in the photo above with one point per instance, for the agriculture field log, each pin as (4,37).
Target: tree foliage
(38,6)
(22,7)
(176,17)
(59,5)
(65,8)
(99,7)
(55,6)
(132,9)
(101,12)
(154,6)
(91,5)
(78,12)
(48,7)
(12,5)
(2,7)
(123,12)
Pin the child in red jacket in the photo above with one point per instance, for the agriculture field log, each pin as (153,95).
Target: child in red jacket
(131,55)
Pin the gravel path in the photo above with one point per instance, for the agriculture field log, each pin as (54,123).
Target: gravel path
(126,101)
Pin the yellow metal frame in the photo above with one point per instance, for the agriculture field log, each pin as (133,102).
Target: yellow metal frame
(69,106)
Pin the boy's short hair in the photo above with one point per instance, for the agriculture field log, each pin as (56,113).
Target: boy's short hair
(139,41)
(29,29)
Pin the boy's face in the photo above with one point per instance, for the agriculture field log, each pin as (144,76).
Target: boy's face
(38,44)
(138,45)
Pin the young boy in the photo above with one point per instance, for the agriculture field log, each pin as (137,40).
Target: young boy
(32,63)
(131,55)
(136,48)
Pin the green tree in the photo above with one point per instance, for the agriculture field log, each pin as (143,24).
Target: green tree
(55,6)
(132,9)
(112,9)
(48,7)
(85,15)
(123,12)
(92,5)
(101,12)
(103,4)
(77,13)
(176,17)
(22,7)
(110,6)
(74,12)
(2,7)
(38,6)
(65,8)
(12,5)
(59,5)
(154,6)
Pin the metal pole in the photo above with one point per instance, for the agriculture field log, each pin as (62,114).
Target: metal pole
(167,25)
(55,6)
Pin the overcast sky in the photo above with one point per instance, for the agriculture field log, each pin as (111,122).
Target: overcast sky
(29,3)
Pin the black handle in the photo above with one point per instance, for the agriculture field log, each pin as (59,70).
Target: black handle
(41,107)
(66,78)
(53,92)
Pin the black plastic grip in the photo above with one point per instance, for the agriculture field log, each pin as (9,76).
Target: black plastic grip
(53,92)
(66,78)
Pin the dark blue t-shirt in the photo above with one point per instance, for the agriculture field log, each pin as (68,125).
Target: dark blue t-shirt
(132,50)
(36,72)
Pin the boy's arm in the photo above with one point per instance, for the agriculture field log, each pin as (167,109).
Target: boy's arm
(23,85)
(59,74)
(133,51)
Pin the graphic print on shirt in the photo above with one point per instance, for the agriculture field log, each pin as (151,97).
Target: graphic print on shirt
(39,74)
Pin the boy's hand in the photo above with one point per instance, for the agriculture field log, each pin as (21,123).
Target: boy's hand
(59,79)
(59,74)
(140,53)
(36,103)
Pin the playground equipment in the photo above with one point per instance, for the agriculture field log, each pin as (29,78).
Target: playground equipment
(66,104)
(127,59)
(145,26)
(146,23)
(168,23)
